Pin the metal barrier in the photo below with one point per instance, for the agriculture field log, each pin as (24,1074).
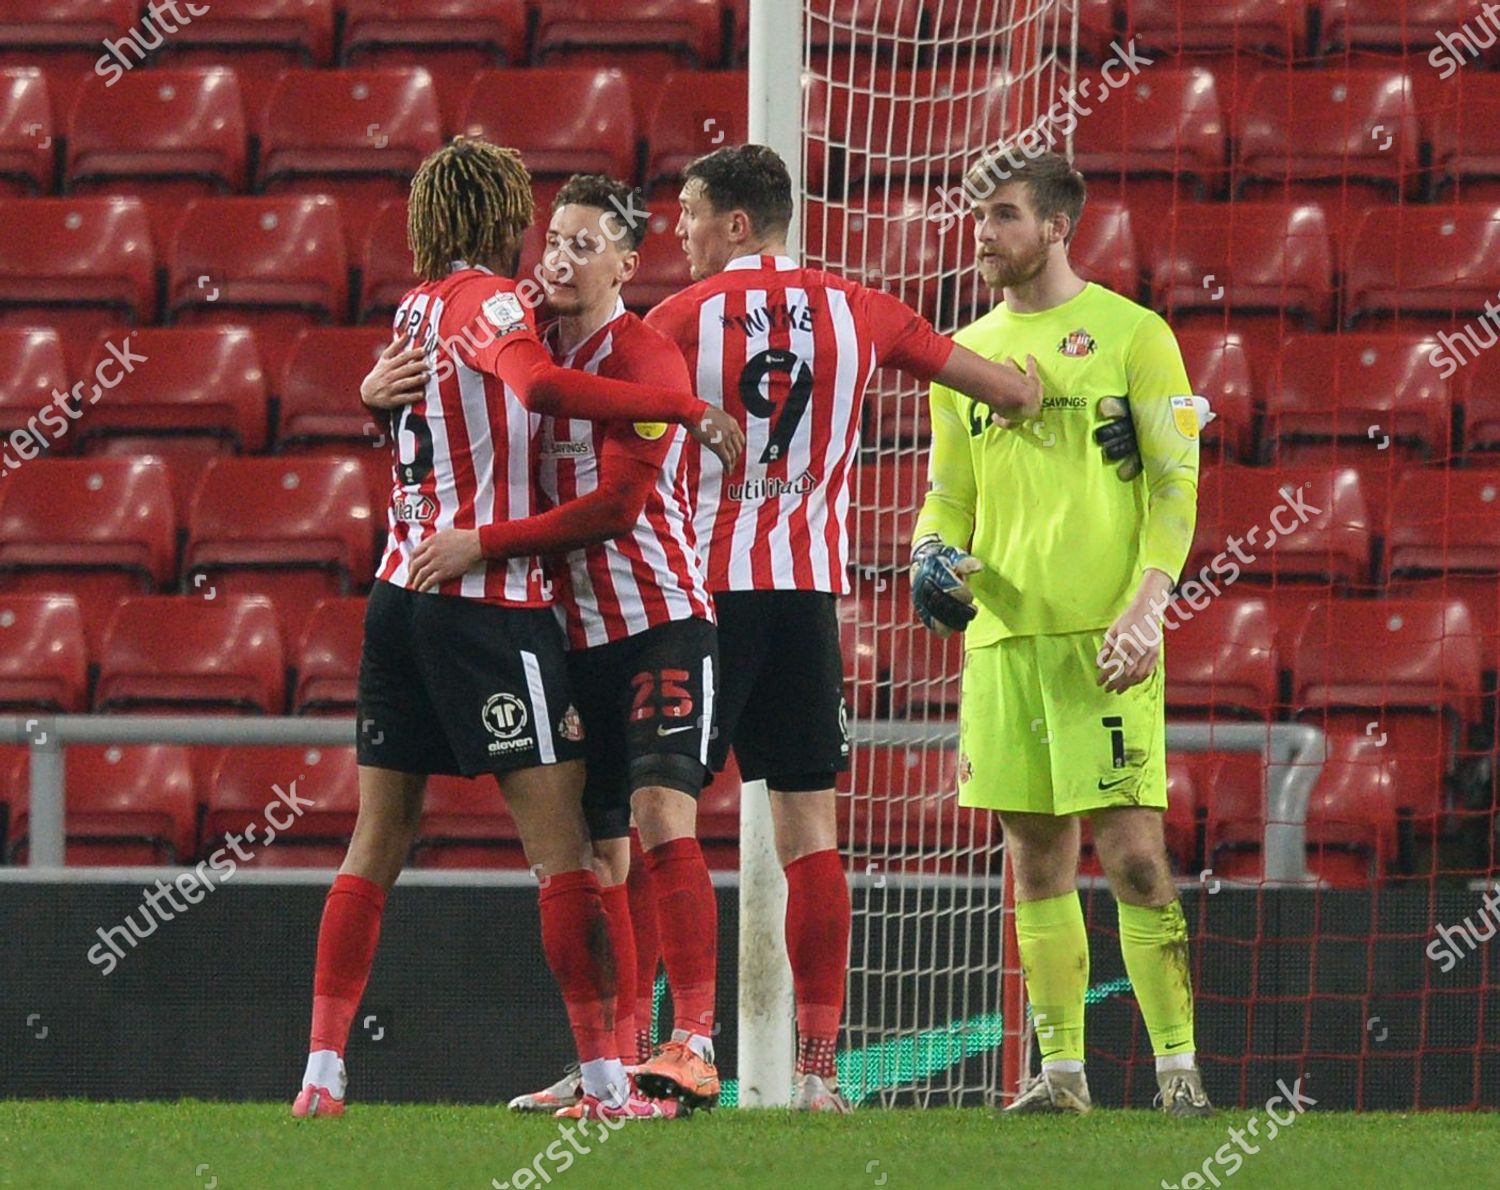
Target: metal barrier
(1293,753)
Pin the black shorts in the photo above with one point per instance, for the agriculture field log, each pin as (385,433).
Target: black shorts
(455,686)
(781,703)
(647,703)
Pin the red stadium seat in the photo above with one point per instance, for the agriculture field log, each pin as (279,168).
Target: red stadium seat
(33,367)
(373,129)
(965,27)
(903,810)
(1444,540)
(1278,26)
(1434,262)
(1351,814)
(880,132)
(65,37)
(123,805)
(1359,393)
(896,412)
(1218,365)
(453,39)
(1263,509)
(81,261)
(562,120)
(1391,25)
(328,658)
(97,529)
(465,825)
(305,532)
(1166,124)
(1103,247)
(169,135)
(1244,257)
(256,793)
(1476,383)
(695,113)
(28,140)
(259,38)
(687,30)
(1231,786)
(1410,666)
(663,269)
(897,248)
(43,662)
(926,671)
(201,385)
(15,795)
(320,388)
(1466,140)
(191,653)
(1341,135)
(885,499)
(1221,659)
(386,271)
(276,262)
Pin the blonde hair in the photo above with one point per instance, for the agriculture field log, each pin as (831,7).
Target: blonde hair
(470,200)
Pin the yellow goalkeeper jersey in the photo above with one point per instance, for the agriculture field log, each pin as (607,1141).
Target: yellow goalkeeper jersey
(1064,540)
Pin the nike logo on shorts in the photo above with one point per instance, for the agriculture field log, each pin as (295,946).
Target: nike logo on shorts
(660,730)
(1103,787)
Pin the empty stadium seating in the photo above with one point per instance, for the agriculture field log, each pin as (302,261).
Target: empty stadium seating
(663,269)
(1342,136)
(294,529)
(386,263)
(1466,141)
(256,793)
(373,129)
(43,664)
(165,134)
(28,140)
(275,262)
(1434,263)
(652,32)
(563,120)
(1218,365)
(1390,25)
(204,652)
(327,660)
(694,114)
(1166,125)
(66,36)
(122,805)
(465,825)
(319,387)
(96,529)
(86,262)
(1103,248)
(33,367)
(1221,658)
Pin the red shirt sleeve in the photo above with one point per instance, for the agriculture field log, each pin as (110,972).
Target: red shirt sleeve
(629,462)
(903,338)
(483,318)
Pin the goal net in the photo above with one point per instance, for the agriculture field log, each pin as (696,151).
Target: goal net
(1307,194)
(899,99)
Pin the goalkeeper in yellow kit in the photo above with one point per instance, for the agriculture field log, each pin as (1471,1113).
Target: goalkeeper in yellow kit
(1064,567)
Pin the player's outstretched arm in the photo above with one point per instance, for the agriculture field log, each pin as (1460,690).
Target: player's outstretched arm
(546,387)
(626,478)
(1009,392)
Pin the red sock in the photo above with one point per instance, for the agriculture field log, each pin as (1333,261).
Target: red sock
(685,903)
(575,939)
(622,942)
(346,951)
(817,943)
(647,949)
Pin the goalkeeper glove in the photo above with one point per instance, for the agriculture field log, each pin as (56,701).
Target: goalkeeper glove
(1117,435)
(939,588)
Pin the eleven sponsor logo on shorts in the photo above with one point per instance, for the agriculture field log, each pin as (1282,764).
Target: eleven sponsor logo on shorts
(506,718)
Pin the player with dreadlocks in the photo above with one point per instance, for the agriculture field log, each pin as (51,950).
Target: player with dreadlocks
(469,676)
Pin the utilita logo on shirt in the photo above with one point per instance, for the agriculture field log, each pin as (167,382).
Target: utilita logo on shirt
(767,489)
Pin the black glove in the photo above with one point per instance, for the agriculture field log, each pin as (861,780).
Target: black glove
(1117,437)
(939,588)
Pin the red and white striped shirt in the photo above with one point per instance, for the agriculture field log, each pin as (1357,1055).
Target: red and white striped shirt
(789,351)
(651,575)
(466,453)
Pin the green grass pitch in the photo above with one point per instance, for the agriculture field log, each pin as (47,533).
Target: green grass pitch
(224,1146)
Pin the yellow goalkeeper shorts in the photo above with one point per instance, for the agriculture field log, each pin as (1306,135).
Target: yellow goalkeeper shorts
(1038,735)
